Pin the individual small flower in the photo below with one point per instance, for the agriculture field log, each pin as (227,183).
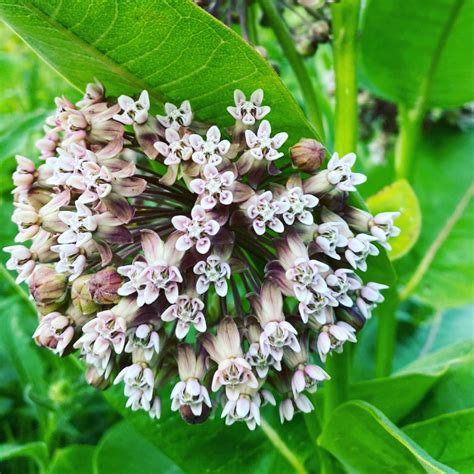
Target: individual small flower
(155,410)
(264,212)
(342,282)
(256,358)
(24,174)
(190,391)
(156,273)
(48,144)
(299,206)
(55,331)
(214,271)
(102,337)
(338,175)
(329,237)
(358,249)
(94,94)
(248,111)
(187,311)
(213,187)
(262,145)
(176,117)
(306,377)
(144,340)
(133,111)
(380,226)
(307,155)
(247,407)
(177,150)
(288,407)
(211,150)
(317,306)
(71,260)
(294,272)
(333,336)
(340,172)
(195,231)
(277,333)
(369,297)
(233,371)
(81,224)
(139,384)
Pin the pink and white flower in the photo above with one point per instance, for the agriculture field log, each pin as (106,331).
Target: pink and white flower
(358,249)
(178,148)
(262,146)
(264,211)
(133,111)
(139,383)
(211,150)
(55,331)
(143,340)
(213,271)
(187,311)
(176,117)
(332,338)
(195,231)
(157,272)
(341,284)
(369,297)
(248,111)
(213,187)
(299,206)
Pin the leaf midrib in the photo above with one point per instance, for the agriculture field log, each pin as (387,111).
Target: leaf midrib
(95,52)
(433,249)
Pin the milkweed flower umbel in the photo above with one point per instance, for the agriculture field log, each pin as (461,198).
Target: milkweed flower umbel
(230,275)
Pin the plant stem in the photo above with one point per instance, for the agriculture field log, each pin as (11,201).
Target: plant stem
(345,19)
(386,335)
(296,62)
(410,121)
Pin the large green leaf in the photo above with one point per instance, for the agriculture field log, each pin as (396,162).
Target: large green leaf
(364,440)
(420,53)
(448,438)
(172,48)
(73,459)
(123,450)
(238,450)
(441,265)
(36,450)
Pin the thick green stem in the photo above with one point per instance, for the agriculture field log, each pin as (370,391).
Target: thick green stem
(296,62)
(345,19)
(410,121)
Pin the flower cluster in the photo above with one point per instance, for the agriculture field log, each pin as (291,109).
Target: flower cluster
(169,255)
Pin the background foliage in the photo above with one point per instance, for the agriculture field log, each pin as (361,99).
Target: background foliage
(419,417)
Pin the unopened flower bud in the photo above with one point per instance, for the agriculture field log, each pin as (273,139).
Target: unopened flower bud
(308,154)
(81,295)
(98,381)
(46,286)
(189,417)
(103,286)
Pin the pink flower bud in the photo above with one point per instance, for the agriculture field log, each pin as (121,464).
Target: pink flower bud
(308,154)
(103,286)
(46,286)
(81,295)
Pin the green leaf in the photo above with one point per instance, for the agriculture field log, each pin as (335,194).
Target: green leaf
(274,448)
(425,58)
(36,450)
(399,196)
(364,440)
(73,459)
(123,450)
(447,438)
(14,137)
(454,389)
(441,265)
(172,48)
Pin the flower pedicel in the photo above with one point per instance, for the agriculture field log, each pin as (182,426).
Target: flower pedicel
(166,255)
